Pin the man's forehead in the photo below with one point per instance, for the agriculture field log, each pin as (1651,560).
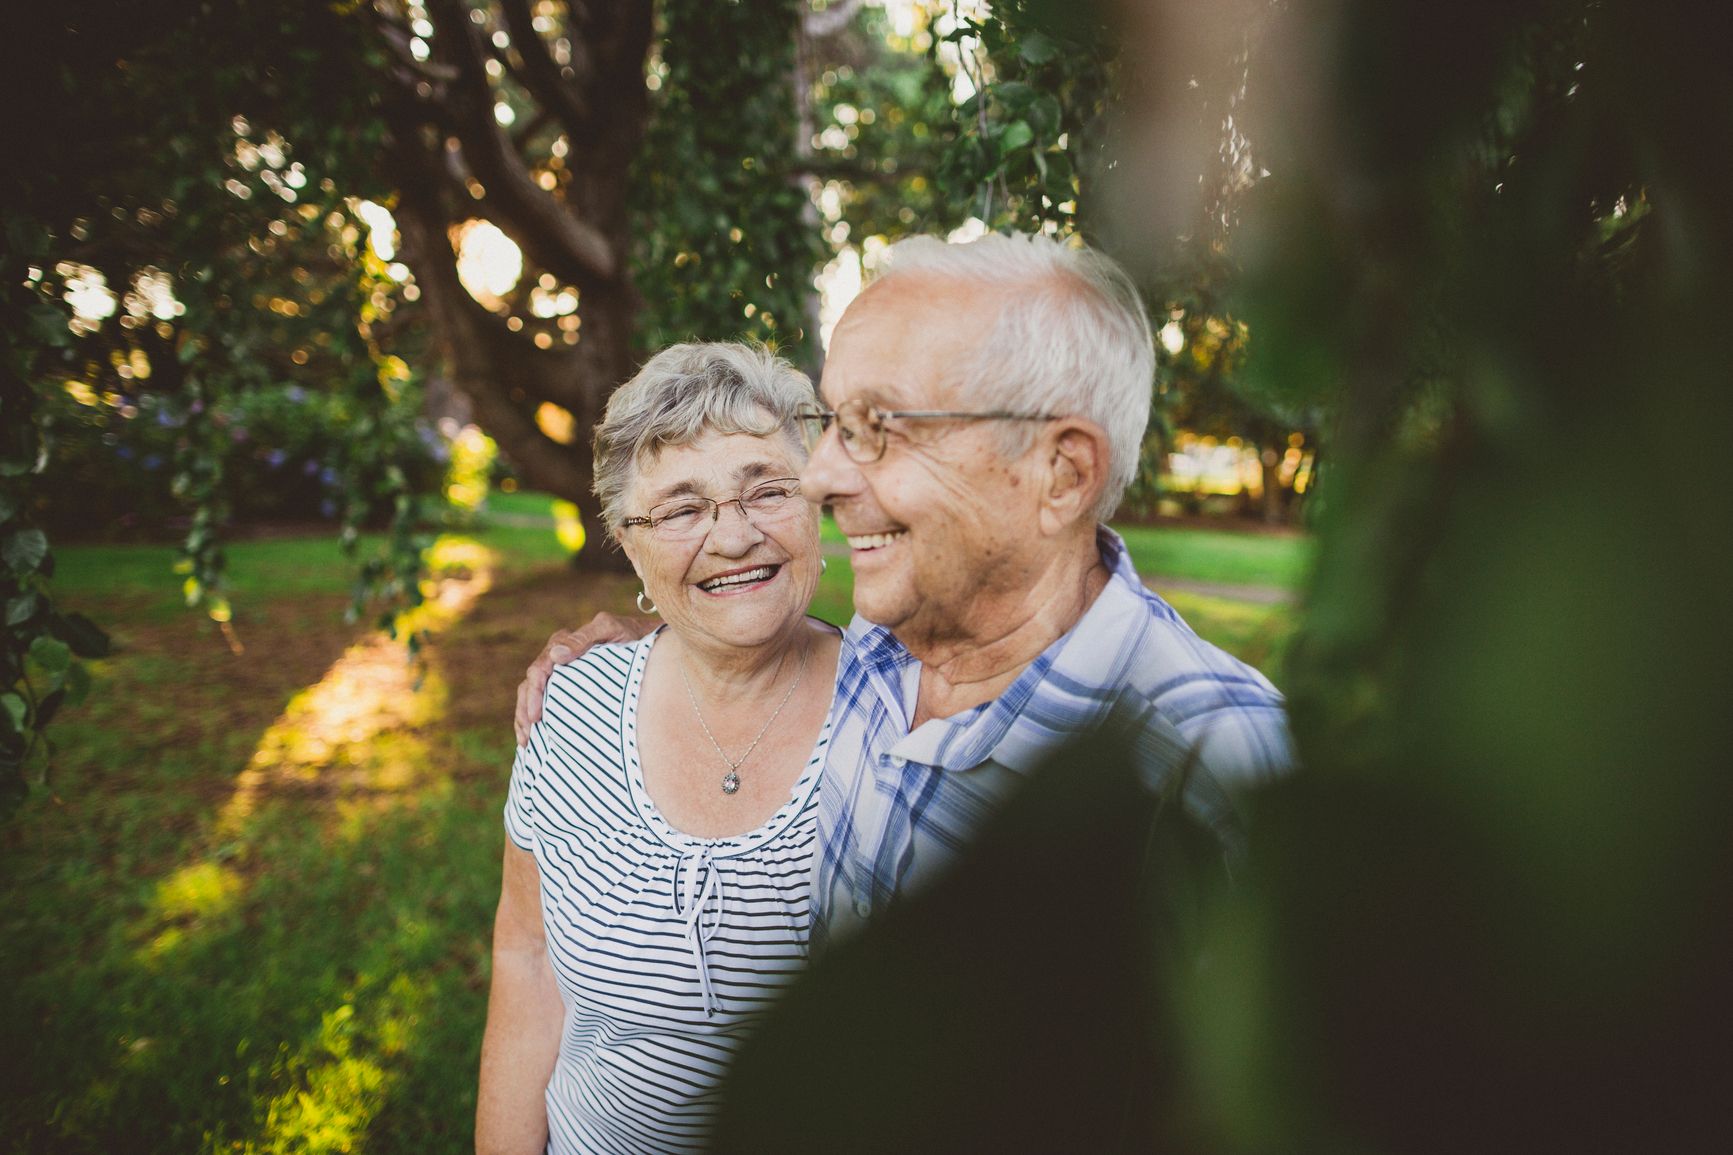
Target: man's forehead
(901,339)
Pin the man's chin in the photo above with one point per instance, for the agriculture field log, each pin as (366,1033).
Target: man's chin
(882,607)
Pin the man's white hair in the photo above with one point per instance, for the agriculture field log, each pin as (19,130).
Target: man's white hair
(1071,339)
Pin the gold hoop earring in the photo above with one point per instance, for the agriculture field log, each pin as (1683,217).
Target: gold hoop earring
(645,605)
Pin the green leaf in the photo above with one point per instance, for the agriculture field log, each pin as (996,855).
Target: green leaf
(1037,48)
(24,550)
(51,654)
(1018,134)
(20,609)
(86,638)
(13,710)
(1044,115)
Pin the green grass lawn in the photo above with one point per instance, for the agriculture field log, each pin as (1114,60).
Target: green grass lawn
(1210,555)
(254,915)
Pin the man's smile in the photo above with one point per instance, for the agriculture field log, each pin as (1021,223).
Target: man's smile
(868,541)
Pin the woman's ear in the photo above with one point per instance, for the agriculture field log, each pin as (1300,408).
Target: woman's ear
(631,553)
(1075,455)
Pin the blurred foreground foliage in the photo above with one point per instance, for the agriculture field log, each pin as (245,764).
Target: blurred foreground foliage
(1497,910)
(1492,911)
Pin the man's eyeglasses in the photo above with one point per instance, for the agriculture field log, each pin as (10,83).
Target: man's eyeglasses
(691,516)
(861,427)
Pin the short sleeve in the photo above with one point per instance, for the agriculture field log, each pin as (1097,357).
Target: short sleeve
(1248,744)
(520,799)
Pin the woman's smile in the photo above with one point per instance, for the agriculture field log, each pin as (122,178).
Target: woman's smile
(740,580)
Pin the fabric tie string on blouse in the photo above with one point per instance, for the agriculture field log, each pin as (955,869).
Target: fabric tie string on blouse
(702,882)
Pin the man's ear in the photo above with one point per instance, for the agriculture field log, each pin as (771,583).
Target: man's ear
(1075,453)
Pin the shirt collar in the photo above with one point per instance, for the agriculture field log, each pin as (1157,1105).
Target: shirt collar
(1082,667)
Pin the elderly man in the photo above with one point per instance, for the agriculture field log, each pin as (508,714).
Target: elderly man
(991,399)
(983,407)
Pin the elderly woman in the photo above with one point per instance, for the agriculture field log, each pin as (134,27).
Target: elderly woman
(661,814)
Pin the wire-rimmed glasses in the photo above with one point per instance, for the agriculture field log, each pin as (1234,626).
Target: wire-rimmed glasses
(861,427)
(691,516)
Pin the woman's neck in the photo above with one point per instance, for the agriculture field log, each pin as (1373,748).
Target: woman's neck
(724,675)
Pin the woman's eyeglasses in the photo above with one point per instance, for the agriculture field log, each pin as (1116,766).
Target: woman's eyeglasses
(691,516)
(861,427)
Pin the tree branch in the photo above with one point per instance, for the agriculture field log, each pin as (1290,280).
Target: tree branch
(483,353)
(540,75)
(540,224)
(830,21)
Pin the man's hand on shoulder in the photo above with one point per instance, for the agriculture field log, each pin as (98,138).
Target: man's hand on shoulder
(567,646)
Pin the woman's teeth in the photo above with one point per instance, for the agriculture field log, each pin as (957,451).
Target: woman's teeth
(874,540)
(744,577)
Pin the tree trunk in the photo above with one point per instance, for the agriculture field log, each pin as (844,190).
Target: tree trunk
(453,162)
(1270,464)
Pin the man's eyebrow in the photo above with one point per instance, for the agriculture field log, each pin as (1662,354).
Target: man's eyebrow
(883,396)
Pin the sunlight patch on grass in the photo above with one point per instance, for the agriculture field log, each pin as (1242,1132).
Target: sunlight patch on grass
(353,728)
(200,890)
(342,1093)
(451,555)
(341,1078)
(193,898)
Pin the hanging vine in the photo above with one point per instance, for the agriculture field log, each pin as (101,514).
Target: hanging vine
(40,645)
(726,249)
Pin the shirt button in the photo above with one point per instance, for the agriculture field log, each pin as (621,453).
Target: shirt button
(863,908)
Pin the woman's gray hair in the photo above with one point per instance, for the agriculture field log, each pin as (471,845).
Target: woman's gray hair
(686,391)
(1073,338)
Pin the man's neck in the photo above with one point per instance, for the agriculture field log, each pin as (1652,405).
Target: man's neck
(962,671)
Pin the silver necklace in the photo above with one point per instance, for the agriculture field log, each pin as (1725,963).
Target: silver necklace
(731,780)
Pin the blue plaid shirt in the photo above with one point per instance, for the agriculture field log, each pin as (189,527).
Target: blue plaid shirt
(895,807)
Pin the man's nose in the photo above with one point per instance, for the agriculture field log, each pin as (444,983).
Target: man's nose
(830,473)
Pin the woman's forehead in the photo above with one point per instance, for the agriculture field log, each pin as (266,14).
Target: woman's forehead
(722,462)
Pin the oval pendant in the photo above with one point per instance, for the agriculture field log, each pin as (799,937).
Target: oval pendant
(730,782)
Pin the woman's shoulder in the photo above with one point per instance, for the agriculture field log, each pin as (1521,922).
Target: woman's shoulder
(594,683)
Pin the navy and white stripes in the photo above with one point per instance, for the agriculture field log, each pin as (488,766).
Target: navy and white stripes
(666,947)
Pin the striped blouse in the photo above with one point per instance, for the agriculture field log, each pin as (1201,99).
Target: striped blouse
(666,947)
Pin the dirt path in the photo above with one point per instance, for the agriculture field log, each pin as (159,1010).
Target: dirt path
(1255,594)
